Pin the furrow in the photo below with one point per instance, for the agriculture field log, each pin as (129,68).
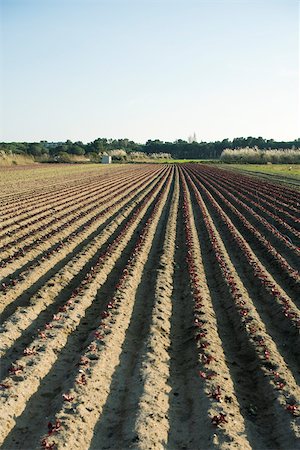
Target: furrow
(265,189)
(102,356)
(216,394)
(42,194)
(256,364)
(276,309)
(268,207)
(281,240)
(116,426)
(72,230)
(271,220)
(37,214)
(18,329)
(49,344)
(286,275)
(52,225)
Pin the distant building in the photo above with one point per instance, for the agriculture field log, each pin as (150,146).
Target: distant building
(106,159)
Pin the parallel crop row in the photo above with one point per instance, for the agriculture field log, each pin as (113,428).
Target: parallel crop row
(265,280)
(148,307)
(212,369)
(41,195)
(75,208)
(74,244)
(30,369)
(284,390)
(70,229)
(292,275)
(31,215)
(288,223)
(53,294)
(50,338)
(285,197)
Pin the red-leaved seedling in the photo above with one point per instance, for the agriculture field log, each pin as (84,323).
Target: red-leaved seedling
(48,445)
(54,428)
(219,419)
(68,397)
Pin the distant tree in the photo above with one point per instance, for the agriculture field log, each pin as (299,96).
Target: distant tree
(97,146)
(36,149)
(77,150)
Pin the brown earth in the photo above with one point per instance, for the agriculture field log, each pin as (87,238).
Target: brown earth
(148,307)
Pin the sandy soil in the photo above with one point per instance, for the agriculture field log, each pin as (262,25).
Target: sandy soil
(148,307)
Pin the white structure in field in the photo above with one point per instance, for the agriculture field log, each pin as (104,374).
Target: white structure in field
(106,159)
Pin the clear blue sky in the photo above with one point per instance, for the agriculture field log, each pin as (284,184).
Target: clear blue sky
(82,69)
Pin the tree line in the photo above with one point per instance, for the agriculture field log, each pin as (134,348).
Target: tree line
(179,149)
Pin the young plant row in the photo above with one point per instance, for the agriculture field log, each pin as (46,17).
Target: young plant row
(40,182)
(32,207)
(270,213)
(284,197)
(282,264)
(105,342)
(275,372)
(50,239)
(288,309)
(153,365)
(26,374)
(68,242)
(39,213)
(22,318)
(30,204)
(269,229)
(43,196)
(269,204)
(223,407)
(59,222)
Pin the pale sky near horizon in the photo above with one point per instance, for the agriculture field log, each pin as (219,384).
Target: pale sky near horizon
(146,69)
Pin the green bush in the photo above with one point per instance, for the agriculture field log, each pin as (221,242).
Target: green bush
(64,157)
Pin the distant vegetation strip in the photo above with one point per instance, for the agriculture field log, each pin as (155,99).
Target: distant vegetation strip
(126,150)
(257,156)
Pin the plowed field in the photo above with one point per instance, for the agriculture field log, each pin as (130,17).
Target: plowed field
(148,307)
